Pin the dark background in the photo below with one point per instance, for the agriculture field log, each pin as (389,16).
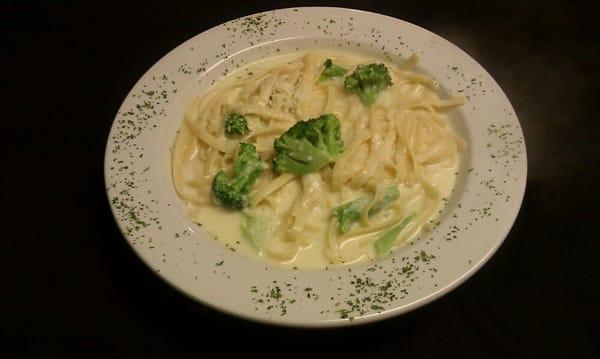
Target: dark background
(71,285)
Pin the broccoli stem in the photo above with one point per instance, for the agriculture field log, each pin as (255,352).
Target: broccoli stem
(349,212)
(391,194)
(385,243)
(253,229)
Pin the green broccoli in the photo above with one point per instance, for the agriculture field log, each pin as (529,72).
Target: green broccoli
(253,229)
(390,195)
(349,212)
(367,81)
(234,191)
(330,71)
(236,125)
(384,244)
(308,146)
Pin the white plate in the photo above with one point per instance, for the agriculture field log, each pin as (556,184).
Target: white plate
(479,215)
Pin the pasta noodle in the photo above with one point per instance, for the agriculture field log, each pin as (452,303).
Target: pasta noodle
(403,141)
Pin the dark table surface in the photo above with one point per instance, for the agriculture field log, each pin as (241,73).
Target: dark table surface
(71,285)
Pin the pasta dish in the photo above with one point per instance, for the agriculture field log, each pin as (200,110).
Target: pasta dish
(317,158)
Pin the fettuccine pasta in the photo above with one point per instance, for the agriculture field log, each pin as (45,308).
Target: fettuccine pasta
(402,141)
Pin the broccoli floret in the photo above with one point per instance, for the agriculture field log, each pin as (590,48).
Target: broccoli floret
(234,191)
(367,81)
(236,125)
(308,146)
(330,71)
(349,212)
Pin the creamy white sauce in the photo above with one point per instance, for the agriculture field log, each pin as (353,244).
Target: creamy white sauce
(225,224)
